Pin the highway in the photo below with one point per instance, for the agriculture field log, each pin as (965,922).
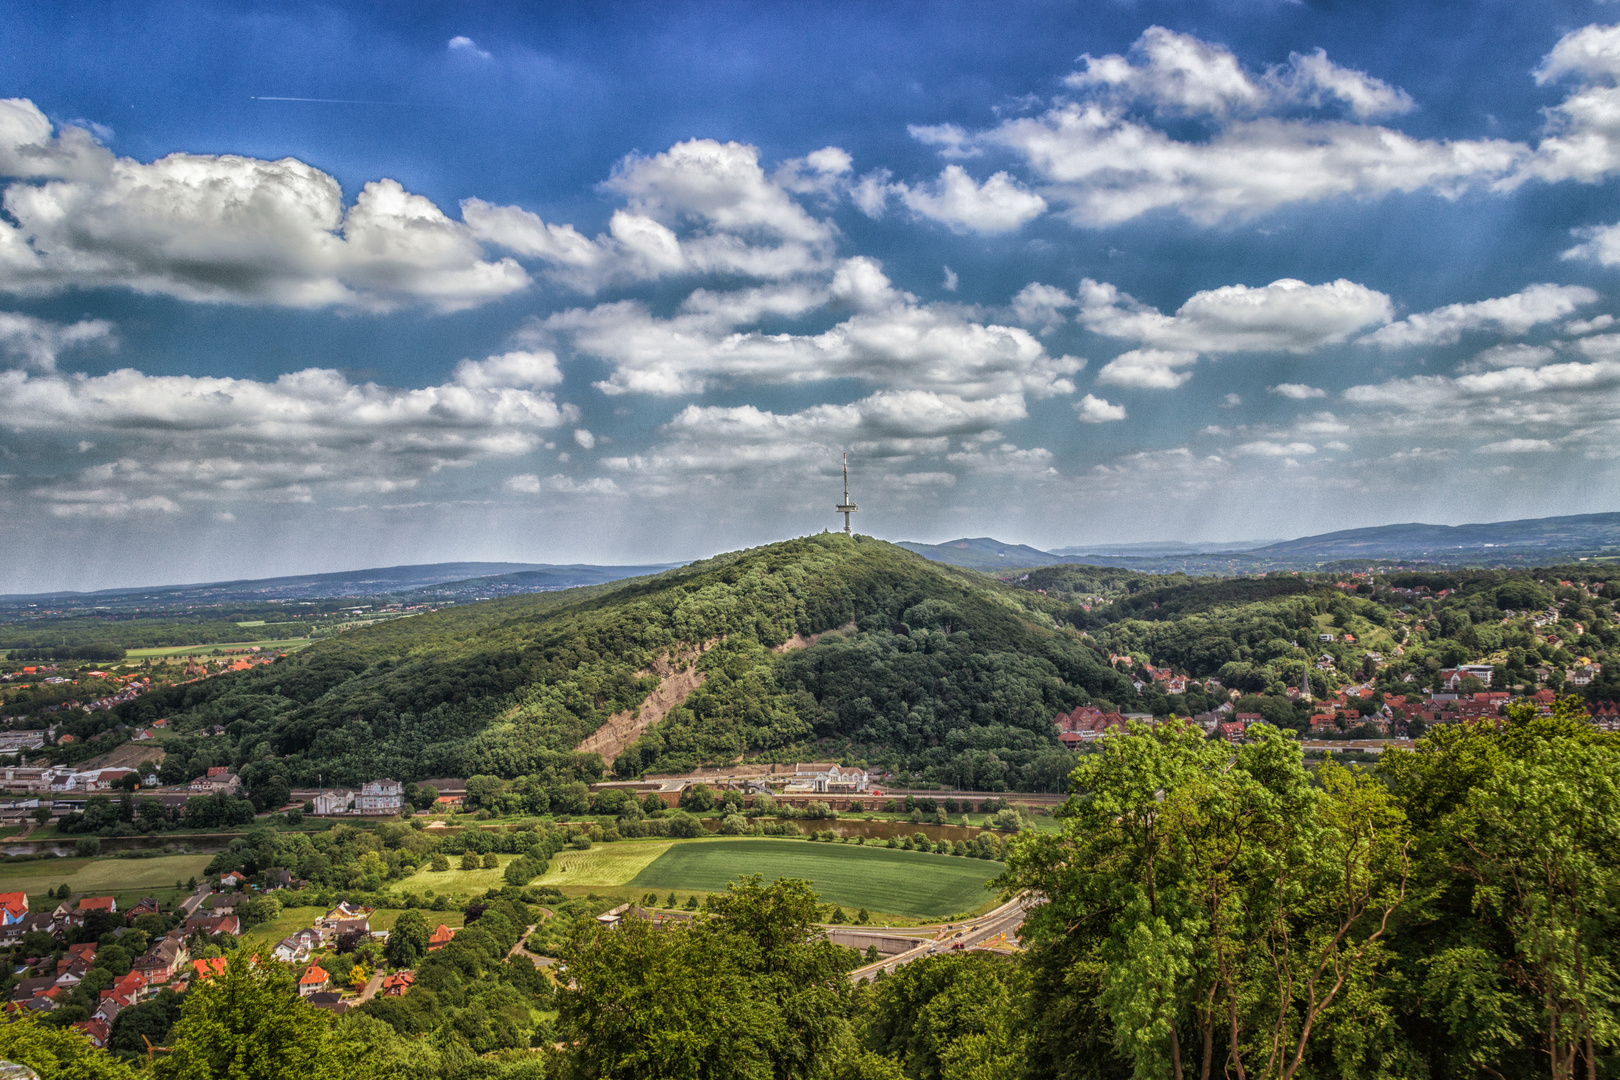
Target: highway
(1001,923)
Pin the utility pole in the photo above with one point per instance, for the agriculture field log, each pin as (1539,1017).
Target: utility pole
(846,507)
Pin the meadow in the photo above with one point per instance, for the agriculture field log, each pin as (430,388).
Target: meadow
(879,879)
(456,882)
(286,645)
(126,879)
(613,864)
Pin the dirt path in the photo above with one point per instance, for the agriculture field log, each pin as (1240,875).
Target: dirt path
(677,678)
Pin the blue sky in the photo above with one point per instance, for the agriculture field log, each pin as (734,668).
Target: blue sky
(620,283)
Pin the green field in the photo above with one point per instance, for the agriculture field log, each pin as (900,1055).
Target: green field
(464,882)
(101,877)
(275,646)
(265,935)
(611,864)
(878,879)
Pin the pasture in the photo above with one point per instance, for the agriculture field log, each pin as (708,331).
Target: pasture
(123,878)
(879,879)
(270,646)
(454,881)
(604,864)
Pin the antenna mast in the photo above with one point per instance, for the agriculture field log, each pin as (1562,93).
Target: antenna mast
(846,507)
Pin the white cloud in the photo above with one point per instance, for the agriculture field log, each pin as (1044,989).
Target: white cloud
(700,207)
(950,282)
(891,340)
(1583,137)
(466,46)
(559,484)
(1179,74)
(1517,446)
(1231,401)
(530,369)
(225,228)
(1149,369)
(1266,448)
(1509,315)
(174,439)
(584,438)
(36,343)
(1255,154)
(1298,391)
(1287,315)
(1577,327)
(1042,307)
(1095,410)
(998,205)
(1602,244)
(1509,355)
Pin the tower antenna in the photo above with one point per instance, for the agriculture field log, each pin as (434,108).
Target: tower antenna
(846,507)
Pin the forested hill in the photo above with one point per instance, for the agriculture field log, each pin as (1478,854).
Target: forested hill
(936,669)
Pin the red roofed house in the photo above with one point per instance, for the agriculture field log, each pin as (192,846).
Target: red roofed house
(95,1030)
(396,984)
(440,937)
(207,968)
(314,981)
(1085,724)
(13,906)
(96,903)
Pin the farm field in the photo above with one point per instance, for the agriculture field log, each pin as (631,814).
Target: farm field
(278,645)
(101,877)
(878,879)
(604,864)
(463,882)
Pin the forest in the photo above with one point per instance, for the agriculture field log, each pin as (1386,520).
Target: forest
(945,675)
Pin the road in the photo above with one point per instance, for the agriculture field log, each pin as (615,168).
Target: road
(1003,921)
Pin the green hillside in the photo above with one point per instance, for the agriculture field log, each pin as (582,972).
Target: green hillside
(940,670)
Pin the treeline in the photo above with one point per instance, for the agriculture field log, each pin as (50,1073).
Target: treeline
(101,654)
(508,688)
(60,637)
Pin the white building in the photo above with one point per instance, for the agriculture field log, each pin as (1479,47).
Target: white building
(335,801)
(379,797)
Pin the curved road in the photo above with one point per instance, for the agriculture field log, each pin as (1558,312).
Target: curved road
(1005,919)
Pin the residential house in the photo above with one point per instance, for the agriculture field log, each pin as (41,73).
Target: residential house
(396,984)
(1230,730)
(94,1030)
(330,1000)
(166,956)
(232,879)
(380,797)
(214,924)
(13,906)
(335,801)
(145,906)
(29,989)
(1324,723)
(295,948)
(204,969)
(313,981)
(440,937)
(1086,724)
(826,778)
(95,903)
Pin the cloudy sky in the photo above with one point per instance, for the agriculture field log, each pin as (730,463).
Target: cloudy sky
(297,288)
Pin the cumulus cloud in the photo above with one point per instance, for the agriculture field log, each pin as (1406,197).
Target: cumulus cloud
(584,438)
(998,205)
(1298,391)
(531,369)
(1042,308)
(891,340)
(1517,446)
(1095,410)
(1102,156)
(1266,448)
(1509,315)
(224,228)
(1285,316)
(36,343)
(700,207)
(173,439)
(1149,369)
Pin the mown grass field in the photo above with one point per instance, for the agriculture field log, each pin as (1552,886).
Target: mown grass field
(604,864)
(270,646)
(463,882)
(101,877)
(878,879)
(265,935)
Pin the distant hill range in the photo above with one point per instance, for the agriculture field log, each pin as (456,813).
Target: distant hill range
(435,581)
(1531,541)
